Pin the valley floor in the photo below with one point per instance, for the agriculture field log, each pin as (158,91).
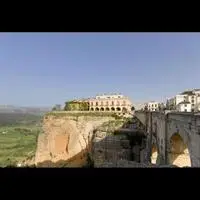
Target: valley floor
(17,144)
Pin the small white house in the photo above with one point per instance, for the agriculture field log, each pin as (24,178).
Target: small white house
(152,106)
(184,107)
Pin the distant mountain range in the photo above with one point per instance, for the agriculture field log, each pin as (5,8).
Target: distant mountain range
(19,109)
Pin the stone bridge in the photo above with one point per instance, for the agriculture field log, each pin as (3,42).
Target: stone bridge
(172,138)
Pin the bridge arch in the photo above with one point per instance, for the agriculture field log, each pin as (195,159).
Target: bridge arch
(154,154)
(92,109)
(107,109)
(97,109)
(178,151)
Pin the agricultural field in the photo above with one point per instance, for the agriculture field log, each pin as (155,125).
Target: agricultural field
(18,138)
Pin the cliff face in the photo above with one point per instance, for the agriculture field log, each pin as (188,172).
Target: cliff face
(66,139)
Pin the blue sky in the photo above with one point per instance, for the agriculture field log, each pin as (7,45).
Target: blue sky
(42,69)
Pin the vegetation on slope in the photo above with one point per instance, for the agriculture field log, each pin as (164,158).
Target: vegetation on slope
(111,125)
(18,137)
(17,144)
(76,106)
(13,119)
(85,114)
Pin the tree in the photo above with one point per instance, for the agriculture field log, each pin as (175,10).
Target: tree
(84,106)
(57,107)
(167,105)
(54,108)
(161,107)
(76,106)
(67,106)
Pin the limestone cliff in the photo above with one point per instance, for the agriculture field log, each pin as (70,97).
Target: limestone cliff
(66,139)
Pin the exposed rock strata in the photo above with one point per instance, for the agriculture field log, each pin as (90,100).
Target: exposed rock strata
(66,139)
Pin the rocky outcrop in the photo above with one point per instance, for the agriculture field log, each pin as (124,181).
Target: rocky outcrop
(66,140)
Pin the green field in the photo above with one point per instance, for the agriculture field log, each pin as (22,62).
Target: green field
(18,138)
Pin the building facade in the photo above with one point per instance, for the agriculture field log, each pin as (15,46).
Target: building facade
(184,107)
(113,102)
(152,106)
(191,96)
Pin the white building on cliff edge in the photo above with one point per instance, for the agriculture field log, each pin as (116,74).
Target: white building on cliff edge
(112,102)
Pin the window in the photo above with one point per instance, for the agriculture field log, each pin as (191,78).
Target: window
(192,101)
(96,103)
(185,110)
(155,105)
(106,103)
(102,103)
(192,110)
(192,104)
(112,103)
(91,103)
(118,103)
(152,105)
(185,105)
(192,97)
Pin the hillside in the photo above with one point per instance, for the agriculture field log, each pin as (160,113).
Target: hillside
(27,110)
(18,137)
(10,119)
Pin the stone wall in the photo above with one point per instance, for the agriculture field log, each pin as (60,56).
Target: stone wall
(161,127)
(109,148)
(124,144)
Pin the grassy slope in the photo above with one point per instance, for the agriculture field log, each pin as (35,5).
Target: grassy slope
(18,138)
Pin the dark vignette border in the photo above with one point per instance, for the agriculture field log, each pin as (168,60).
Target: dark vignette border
(133,181)
(131,19)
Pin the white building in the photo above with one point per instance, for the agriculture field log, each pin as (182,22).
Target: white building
(139,106)
(152,106)
(184,107)
(191,96)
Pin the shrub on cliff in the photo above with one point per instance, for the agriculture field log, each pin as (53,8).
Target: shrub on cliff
(116,116)
(57,107)
(90,162)
(76,106)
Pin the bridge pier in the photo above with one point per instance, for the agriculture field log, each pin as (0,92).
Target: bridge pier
(160,127)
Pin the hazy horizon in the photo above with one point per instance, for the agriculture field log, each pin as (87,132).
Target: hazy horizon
(43,69)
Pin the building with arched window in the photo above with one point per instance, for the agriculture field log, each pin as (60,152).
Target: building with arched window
(113,102)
